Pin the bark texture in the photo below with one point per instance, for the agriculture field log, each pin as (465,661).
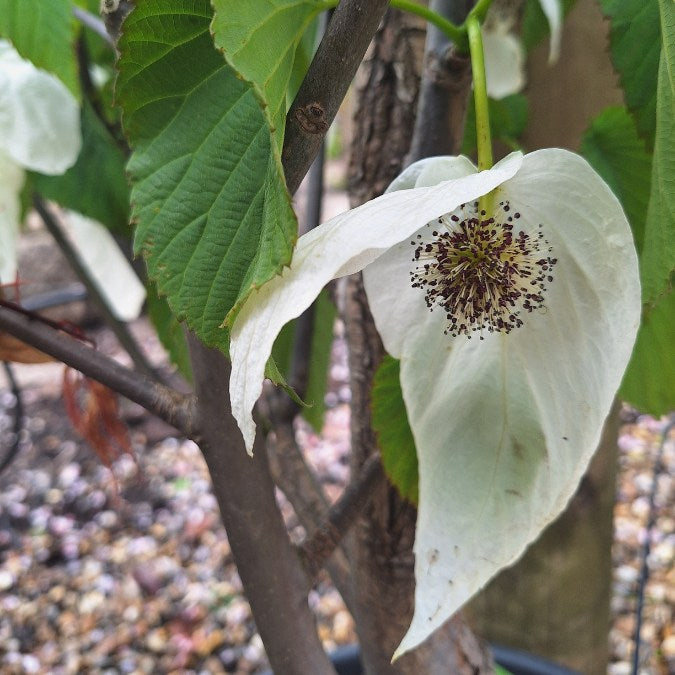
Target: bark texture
(273,579)
(382,557)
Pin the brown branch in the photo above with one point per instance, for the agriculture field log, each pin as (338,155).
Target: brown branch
(174,408)
(274,582)
(444,90)
(342,515)
(119,328)
(334,65)
(298,482)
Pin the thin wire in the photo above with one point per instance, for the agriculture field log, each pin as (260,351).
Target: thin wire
(644,572)
(18,418)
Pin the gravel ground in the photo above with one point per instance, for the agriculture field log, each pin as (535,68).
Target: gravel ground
(142,580)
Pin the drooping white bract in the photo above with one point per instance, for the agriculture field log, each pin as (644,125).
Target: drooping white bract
(504,53)
(504,61)
(552,10)
(513,329)
(505,425)
(39,130)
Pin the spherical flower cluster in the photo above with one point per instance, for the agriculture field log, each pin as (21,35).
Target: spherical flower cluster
(480,272)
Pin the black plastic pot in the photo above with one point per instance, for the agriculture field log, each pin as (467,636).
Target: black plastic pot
(346,661)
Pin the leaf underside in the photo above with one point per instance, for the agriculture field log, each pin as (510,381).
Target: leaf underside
(658,258)
(259,40)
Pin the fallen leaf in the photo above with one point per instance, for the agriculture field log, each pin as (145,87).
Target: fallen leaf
(94,413)
(17,351)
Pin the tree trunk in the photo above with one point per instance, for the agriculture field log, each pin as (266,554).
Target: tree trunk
(382,556)
(273,578)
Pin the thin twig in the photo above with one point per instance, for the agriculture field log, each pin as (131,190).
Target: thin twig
(646,546)
(118,327)
(94,24)
(342,515)
(18,418)
(91,94)
(174,408)
(297,481)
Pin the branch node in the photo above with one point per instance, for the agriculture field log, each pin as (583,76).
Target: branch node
(312,118)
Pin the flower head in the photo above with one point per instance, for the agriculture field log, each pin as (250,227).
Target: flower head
(481,272)
(504,426)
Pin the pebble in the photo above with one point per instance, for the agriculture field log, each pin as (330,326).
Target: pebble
(143,581)
(7,580)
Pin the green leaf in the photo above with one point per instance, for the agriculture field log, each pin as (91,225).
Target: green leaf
(213,212)
(501,671)
(319,357)
(658,258)
(648,383)
(394,436)
(169,331)
(44,33)
(635,48)
(96,185)
(508,119)
(259,39)
(613,148)
(304,53)
(320,351)
(273,374)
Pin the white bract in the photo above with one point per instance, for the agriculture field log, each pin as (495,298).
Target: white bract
(39,130)
(504,61)
(504,53)
(115,277)
(513,329)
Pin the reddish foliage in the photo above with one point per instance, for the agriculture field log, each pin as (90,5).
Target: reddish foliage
(12,349)
(94,412)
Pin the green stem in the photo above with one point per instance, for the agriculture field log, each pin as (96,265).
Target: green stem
(483,140)
(480,10)
(454,33)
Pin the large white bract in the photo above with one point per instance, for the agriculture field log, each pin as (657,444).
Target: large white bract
(505,415)
(40,131)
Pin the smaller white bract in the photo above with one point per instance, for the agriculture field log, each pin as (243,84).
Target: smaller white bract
(513,329)
(39,130)
(504,53)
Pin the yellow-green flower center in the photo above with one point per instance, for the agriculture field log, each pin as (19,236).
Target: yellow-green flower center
(482,272)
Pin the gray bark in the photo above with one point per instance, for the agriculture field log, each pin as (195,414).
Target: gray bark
(382,540)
